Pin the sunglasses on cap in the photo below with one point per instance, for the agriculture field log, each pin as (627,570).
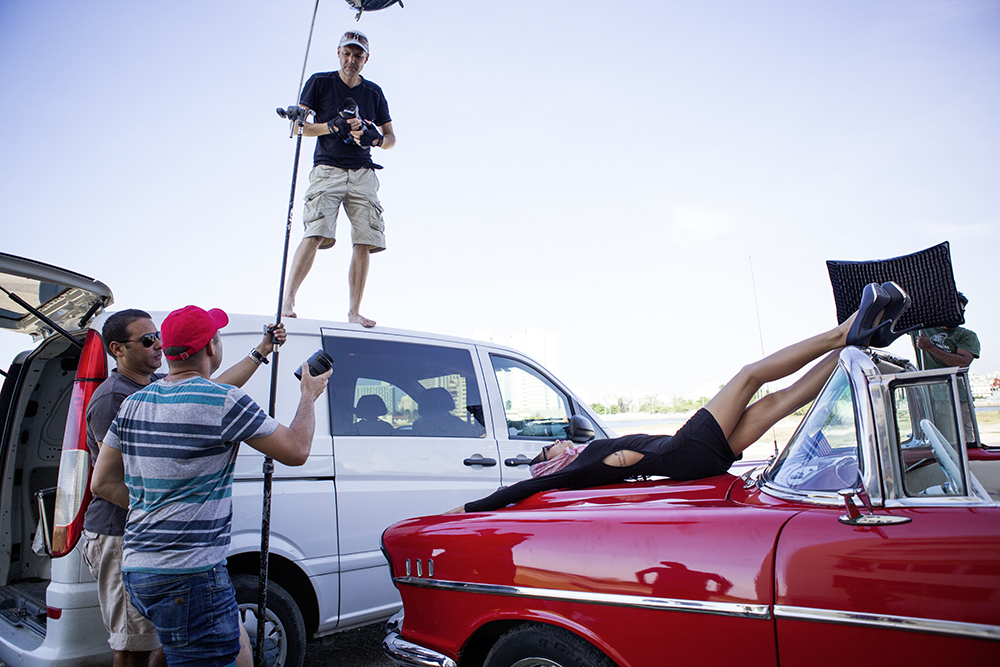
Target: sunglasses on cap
(146,340)
(358,36)
(353,37)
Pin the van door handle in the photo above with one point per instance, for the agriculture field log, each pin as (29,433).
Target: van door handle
(521,460)
(479,460)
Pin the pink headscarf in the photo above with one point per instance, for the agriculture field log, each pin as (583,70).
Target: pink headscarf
(559,462)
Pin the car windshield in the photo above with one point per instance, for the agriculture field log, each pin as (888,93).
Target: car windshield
(823,453)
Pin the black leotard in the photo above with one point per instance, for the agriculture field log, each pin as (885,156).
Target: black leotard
(699,449)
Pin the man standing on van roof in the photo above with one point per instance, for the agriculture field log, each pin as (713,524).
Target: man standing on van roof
(343,171)
(131,337)
(169,457)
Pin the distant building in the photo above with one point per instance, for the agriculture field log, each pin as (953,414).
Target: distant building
(525,396)
(984,386)
(536,343)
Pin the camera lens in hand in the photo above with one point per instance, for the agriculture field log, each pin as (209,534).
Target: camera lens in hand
(319,363)
(349,109)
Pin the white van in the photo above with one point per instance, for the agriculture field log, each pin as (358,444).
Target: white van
(412,424)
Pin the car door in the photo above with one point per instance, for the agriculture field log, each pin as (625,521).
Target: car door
(918,583)
(410,439)
(530,409)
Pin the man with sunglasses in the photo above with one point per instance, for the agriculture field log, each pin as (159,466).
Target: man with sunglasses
(343,172)
(131,337)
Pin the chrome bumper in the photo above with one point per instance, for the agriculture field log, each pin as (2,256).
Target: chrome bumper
(408,654)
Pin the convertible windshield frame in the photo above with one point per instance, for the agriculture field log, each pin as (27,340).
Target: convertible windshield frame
(822,456)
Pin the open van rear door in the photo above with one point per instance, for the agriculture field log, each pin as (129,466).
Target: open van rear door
(43,300)
(69,300)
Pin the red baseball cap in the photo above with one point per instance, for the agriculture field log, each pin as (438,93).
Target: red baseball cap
(189,329)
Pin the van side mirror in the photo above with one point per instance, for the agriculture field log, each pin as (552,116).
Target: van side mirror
(580,429)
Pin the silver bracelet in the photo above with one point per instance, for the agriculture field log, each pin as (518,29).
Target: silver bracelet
(257,357)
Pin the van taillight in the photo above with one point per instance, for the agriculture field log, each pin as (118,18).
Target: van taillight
(73,487)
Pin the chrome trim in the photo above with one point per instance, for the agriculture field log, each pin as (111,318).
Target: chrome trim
(824,498)
(395,622)
(407,653)
(874,520)
(917,502)
(861,372)
(758,611)
(887,621)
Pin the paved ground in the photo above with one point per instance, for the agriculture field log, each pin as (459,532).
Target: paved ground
(355,648)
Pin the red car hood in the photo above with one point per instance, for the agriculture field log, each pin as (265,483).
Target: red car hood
(636,494)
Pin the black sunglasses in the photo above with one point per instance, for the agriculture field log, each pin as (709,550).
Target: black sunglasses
(146,340)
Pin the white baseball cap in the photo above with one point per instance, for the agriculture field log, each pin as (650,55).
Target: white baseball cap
(355,37)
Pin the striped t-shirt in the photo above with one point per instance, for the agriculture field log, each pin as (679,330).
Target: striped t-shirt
(179,441)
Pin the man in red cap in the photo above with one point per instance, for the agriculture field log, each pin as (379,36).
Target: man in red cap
(169,457)
(132,338)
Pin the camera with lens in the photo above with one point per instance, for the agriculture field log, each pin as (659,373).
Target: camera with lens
(319,363)
(347,112)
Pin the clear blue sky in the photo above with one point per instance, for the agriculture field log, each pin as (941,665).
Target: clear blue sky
(604,171)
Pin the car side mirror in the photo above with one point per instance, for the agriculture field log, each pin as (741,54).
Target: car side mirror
(580,429)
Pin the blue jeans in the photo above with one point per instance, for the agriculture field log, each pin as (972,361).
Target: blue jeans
(196,615)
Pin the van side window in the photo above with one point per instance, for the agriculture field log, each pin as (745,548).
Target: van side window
(535,408)
(382,388)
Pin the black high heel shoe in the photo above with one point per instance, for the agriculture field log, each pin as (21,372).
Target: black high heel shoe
(874,299)
(899,301)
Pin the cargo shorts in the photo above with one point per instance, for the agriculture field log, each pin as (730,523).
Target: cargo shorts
(128,630)
(357,190)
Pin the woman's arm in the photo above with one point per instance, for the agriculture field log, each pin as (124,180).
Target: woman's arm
(506,495)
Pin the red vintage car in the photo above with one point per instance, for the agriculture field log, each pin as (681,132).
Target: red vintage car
(872,539)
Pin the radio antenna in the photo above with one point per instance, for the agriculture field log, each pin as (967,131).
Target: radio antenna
(760,335)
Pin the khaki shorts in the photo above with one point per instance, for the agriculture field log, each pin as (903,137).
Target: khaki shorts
(129,630)
(357,190)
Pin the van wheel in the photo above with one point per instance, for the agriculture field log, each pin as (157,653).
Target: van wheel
(285,639)
(538,645)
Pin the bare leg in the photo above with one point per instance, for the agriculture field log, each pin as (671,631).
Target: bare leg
(356,278)
(157,659)
(729,404)
(245,657)
(769,410)
(301,263)
(130,658)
